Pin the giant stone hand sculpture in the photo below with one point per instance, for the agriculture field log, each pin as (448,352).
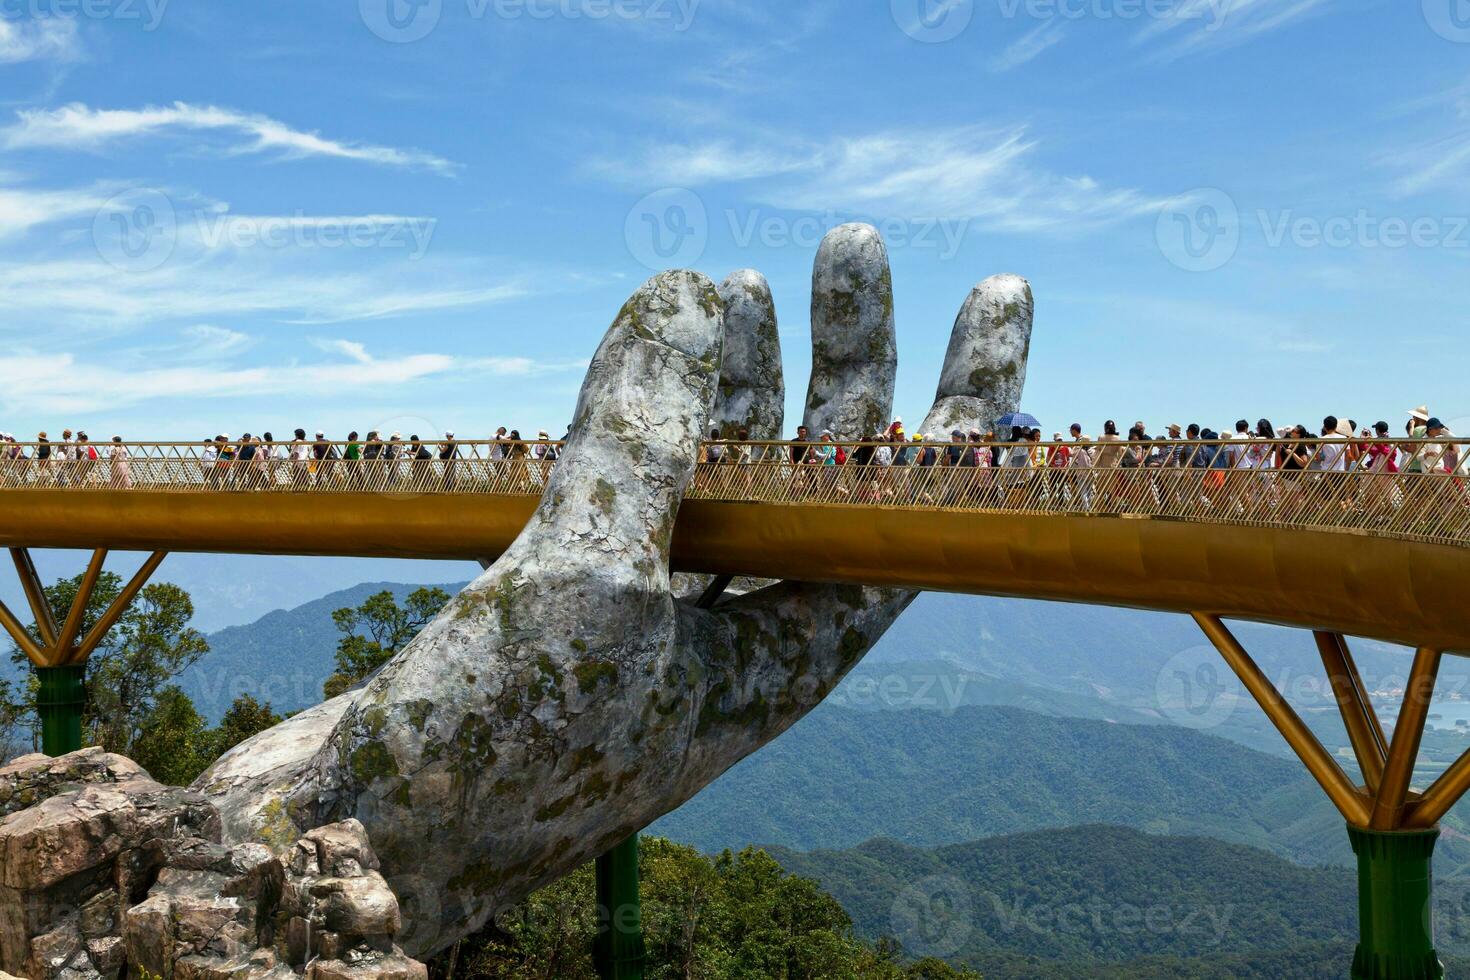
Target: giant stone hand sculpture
(566,699)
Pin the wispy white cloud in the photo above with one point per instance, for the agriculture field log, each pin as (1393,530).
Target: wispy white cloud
(1196,26)
(24,208)
(89,292)
(989,175)
(66,382)
(207,341)
(81,127)
(1432,164)
(1431,151)
(716,161)
(204,263)
(1029,45)
(39,39)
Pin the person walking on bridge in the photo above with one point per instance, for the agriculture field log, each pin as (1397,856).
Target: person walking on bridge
(372,461)
(352,462)
(245,472)
(300,455)
(325,455)
(448,454)
(392,460)
(122,477)
(86,459)
(421,465)
(43,459)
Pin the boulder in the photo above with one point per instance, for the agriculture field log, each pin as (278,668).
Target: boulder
(103,870)
(78,843)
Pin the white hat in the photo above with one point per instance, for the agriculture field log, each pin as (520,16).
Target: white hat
(395,436)
(449,435)
(1421,413)
(320,434)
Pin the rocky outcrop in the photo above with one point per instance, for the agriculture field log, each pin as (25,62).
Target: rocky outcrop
(247,912)
(103,869)
(79,844)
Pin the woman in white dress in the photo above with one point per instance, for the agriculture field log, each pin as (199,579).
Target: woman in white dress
(122,475)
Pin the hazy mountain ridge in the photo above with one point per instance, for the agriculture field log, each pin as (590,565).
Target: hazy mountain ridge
(925,778)
(1096,893)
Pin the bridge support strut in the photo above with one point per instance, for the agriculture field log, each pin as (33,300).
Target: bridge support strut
(59,653)
(1392,829)
(1395,910)
(618,951)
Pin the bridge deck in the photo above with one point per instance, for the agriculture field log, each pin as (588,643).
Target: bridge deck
(1358,552)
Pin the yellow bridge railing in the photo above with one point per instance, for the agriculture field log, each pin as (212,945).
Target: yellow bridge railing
(1416,489)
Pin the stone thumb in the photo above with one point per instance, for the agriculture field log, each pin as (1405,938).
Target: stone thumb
(611,500)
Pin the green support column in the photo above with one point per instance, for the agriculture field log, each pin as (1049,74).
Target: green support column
(618,949)
(1396,917)
(60,700)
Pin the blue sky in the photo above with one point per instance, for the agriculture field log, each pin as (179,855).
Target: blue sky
(422,214)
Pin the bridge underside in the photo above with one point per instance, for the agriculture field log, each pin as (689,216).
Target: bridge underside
(1385,588)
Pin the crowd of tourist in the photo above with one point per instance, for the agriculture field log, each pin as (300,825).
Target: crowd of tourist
(389,461)
(1339,445)
(1291,469)
(261,461)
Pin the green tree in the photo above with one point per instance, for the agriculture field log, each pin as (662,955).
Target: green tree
(734,917)
(151,644)
(174,744)
(246,717)
(14,722)
(376,630)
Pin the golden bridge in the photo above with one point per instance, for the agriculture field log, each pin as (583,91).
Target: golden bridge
(1357,551)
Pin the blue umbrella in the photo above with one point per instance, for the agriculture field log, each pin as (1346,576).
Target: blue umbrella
(1018,418)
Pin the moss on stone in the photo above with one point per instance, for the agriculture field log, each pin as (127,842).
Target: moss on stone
(276,831)
(555,809)
(985,379)
(371,761)
(590,673)
(603,495)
